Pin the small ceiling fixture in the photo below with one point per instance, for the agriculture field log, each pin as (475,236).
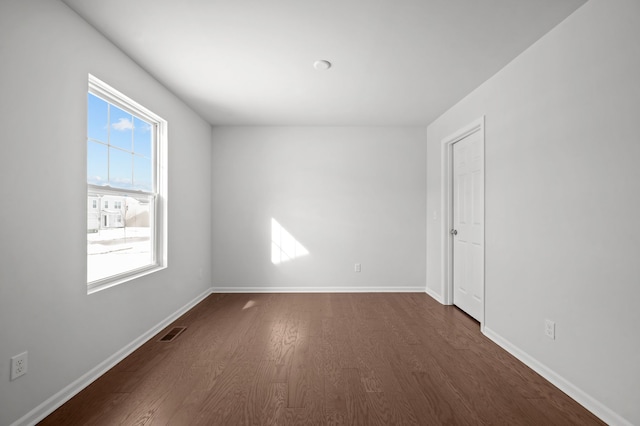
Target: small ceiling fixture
(322,65)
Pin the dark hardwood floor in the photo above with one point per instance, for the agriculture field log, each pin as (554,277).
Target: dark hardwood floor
(322,359)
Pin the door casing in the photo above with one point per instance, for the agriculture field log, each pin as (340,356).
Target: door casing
(446,203)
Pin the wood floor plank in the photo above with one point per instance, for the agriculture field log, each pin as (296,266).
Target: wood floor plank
(357,405)
(274,404)
(334,386)
(301,369)
(322,359)
(314,399)
(284,359)
(257,393)
(274,346)
(446,406)
(336,331)
(390,409)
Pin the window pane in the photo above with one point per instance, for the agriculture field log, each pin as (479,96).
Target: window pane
(121,128)
(96,163)
(142,137)
(120,168)
(97,118)
(142,173)
(119,240)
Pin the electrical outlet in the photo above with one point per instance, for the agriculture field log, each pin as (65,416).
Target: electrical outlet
(18,365)
(357,268)
(550,329)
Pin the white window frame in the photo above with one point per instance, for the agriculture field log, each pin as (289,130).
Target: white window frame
(159,163)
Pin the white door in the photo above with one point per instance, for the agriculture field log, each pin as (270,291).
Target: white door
(468,225)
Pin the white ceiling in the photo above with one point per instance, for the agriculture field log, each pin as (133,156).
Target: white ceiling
(395,62)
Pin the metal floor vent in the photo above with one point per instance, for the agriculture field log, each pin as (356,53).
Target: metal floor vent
(172,334)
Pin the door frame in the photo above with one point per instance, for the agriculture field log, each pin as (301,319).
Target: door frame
(446,203)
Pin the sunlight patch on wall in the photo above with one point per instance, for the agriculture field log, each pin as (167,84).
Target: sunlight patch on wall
(283,246)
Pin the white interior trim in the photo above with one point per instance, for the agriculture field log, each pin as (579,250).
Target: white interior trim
(587,401)
(51,404)
(159,235)
(446,203)
(269,289)
(435,296)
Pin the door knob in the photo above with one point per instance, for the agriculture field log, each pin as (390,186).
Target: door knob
(454,232)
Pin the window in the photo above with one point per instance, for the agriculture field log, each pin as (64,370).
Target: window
(126,169)
(94,204)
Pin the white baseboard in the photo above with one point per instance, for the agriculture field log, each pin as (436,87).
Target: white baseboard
(596,407)
(68,392)
(434,295)
(317,290)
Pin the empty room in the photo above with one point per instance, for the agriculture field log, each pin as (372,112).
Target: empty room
(315,213)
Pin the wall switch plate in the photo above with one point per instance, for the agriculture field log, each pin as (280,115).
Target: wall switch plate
(18,365)
(550,329)
(357,267)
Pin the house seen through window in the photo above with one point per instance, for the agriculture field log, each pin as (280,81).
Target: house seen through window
(125,177)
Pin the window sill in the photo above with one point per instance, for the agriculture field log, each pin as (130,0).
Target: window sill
(106,283)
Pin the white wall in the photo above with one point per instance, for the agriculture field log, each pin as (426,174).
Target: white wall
(46,52)
(348,195)
(562,178)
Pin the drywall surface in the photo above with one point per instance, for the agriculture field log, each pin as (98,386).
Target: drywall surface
(46,52)
(562,178)
(346,194)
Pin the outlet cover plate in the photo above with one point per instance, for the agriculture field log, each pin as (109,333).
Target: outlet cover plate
(550,329)
(19,365)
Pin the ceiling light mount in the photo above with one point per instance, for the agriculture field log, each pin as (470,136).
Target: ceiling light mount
(322,65)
